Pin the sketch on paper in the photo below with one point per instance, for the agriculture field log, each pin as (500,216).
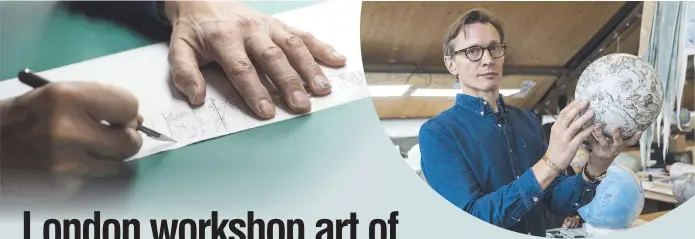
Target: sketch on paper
(221,115)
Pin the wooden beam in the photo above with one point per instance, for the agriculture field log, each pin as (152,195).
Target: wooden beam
(410,107)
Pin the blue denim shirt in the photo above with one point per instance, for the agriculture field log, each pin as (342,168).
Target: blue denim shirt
(481,162)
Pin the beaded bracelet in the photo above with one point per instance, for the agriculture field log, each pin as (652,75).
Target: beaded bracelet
(552,165)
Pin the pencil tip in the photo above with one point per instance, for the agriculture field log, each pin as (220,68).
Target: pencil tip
(166,138)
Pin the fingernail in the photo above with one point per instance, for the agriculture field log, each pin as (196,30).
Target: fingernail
(301,99)
(321,82)
(191,92)
(338,55)
(267,108)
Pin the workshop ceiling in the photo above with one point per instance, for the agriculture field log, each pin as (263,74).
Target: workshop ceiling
(538,33)
(402,44)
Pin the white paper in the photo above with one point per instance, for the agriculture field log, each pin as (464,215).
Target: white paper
(145,72)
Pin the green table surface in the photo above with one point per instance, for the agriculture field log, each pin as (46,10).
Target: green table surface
(270,165)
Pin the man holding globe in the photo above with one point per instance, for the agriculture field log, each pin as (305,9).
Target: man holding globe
(489,158)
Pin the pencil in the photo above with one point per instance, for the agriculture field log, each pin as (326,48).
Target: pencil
(35,81)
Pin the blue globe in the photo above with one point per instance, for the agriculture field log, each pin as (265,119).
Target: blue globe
(618,202)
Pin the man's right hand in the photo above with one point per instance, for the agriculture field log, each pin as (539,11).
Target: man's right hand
(567,133)
(56,130)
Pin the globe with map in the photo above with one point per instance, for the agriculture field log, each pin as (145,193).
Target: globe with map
(624,91)
(618,202)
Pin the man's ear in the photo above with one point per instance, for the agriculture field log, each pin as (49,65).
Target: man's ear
(451,65)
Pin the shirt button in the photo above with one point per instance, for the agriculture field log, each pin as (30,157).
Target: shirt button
(588,189)
(576,204)
(481,113)
(499,125)
(484,102)
(535,199)
(510,150)
(517,177)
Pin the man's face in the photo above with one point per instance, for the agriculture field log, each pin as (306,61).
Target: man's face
(484,72)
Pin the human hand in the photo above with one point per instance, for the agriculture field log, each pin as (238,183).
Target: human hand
(56,130)
(234,35)
(571,222)
(567,134)
(605,150)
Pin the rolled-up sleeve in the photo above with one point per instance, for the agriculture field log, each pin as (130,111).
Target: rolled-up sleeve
(449,174)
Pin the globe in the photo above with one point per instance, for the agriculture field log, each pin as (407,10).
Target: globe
(684,188)
(618,202)
(629,161)
(623,90)
(683,118)
(683,181)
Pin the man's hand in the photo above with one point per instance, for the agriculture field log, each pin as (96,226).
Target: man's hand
(566,136)
(56,130)
(234,36)
(571,222)
(605,150)
(567,133)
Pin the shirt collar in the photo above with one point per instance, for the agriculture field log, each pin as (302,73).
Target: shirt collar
(479,106)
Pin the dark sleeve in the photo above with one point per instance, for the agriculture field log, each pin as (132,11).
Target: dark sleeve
(152,9)
(144,17)
(446,170)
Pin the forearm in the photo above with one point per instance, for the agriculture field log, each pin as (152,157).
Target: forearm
(503,207)
(564,195)
(450,174)
(172,11)
(596,166)
(545,174)
(569,194)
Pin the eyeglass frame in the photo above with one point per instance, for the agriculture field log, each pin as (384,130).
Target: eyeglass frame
(504,51)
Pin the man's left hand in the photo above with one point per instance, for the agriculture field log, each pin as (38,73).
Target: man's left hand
(245,42)
(605,150)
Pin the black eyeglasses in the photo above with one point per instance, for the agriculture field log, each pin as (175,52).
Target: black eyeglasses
(475,53)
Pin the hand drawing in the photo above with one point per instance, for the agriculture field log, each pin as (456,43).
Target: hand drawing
(224,114)
(230,114)
(183,124)
(211,122)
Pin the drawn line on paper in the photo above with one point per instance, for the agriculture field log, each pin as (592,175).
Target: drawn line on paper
(196,116)
(168,126)
(217,116)
(214,106)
